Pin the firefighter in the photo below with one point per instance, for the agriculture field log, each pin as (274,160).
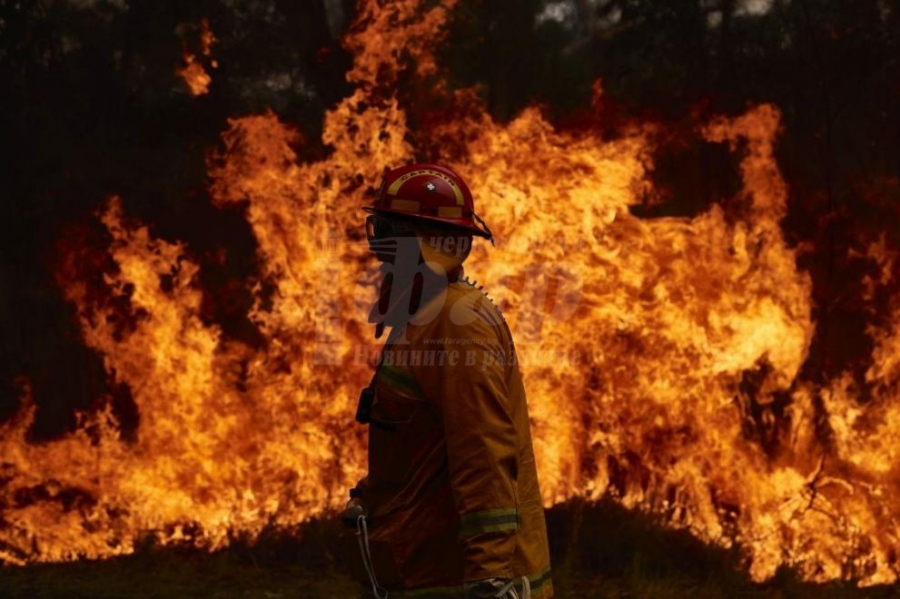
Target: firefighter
(450,507)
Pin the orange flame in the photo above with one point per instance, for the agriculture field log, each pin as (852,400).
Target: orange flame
(661,357)
(193,72)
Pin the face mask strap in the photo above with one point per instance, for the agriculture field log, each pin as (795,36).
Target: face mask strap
(486,229)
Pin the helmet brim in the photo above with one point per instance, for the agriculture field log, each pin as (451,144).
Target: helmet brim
(442,221)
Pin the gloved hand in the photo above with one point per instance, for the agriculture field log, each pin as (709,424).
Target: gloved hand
(354,509)
(490,588)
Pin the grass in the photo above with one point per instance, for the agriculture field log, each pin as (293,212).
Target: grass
(601,551)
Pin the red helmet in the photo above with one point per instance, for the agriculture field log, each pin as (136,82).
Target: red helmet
(429,192)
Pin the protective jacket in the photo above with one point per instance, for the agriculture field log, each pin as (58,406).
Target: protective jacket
(452,490)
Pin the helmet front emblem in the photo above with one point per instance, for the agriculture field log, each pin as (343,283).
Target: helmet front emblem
(431,187)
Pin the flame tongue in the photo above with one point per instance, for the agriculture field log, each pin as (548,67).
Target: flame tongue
(661,357)
(192,72)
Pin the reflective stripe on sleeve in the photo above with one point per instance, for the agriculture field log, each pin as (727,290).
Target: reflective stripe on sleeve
(497,520)
(541,584)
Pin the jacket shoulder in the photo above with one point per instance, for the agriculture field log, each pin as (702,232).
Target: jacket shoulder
(468,308)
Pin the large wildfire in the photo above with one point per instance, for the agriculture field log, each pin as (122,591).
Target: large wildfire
(662,357)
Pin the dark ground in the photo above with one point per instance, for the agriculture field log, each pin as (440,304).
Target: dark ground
(626,555)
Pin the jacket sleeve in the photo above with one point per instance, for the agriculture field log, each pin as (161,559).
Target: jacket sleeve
(482,445)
